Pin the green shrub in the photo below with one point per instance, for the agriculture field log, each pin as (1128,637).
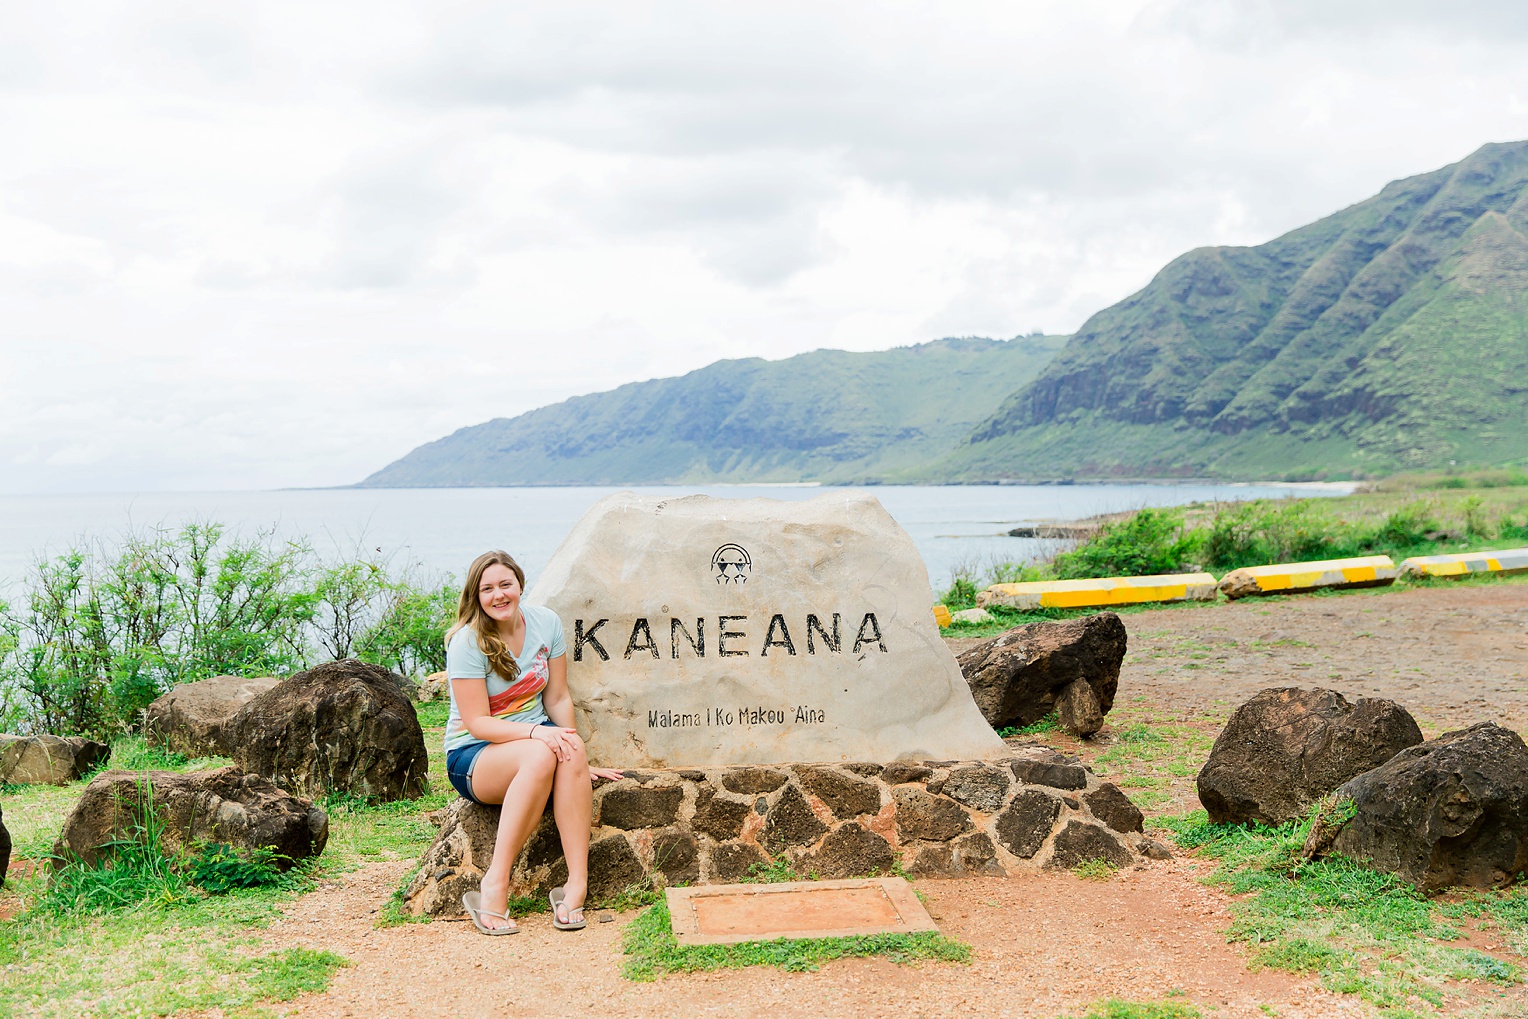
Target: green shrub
(1262,531)
(221,868)
(1408,525)
(135,871)
(104,629)
(1147,542)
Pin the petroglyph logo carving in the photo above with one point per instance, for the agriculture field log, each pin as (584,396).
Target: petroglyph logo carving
(731,564)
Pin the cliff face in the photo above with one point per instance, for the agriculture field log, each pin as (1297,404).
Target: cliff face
(827,416)
(1389,335)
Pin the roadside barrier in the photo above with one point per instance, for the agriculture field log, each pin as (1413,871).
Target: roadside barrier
(1288,578)
(1101,592)
(941,615)
(1512,560)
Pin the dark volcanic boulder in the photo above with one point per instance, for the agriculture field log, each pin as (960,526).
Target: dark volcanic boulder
(48,760)
(1286,748)
(226,805)
(1070,667)
(1451,811)
(342,726)
(190,719)
(5,848)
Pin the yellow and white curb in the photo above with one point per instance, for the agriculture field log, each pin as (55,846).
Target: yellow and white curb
(1512,560)
(1289,578)
(1101,592)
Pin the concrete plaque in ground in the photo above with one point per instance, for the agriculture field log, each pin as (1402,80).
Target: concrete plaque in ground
(726,914)
(706,632)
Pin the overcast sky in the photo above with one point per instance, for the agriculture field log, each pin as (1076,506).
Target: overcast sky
(259,245)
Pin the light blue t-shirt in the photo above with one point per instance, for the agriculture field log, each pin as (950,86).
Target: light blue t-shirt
(519,701)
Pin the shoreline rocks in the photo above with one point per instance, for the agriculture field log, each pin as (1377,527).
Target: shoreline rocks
(942,818)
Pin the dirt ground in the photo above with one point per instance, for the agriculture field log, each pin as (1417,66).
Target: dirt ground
(1043,946)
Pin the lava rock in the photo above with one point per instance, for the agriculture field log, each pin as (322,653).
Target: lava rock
(846,796)
(922,815)
(48,760)
(191,718)
(750,781)
(975,854)
(1020,676)
(1050,768)
(901,772)
(980,786)
(1284,749)
(676,855)
(1078,709)
(850,851)
(719,818)
(733,861)
(633,807)
(5,847)
(791,823)
(613,868)
(1027,822)
(226,805)
(343,726)
(1450,811)
(1113,808)
(1080,842)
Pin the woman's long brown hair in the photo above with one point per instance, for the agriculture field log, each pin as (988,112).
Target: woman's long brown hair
(469,612)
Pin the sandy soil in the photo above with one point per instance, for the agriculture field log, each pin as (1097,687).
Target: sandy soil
(1043,946)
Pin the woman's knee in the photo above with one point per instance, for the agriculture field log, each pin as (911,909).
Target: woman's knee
(578,757)
(541,760)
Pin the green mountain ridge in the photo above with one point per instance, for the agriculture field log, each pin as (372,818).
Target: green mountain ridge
(827,416)
(1389,336)
(1392,335)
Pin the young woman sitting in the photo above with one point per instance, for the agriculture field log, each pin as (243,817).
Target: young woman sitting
(510,738)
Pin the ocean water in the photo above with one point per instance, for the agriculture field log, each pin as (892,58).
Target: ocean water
(441,530)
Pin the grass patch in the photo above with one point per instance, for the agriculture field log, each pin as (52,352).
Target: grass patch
(143,935)
(1361,932)
(282,976)
(1050,723)
(652,951)
(1114,1008)
(1096,870)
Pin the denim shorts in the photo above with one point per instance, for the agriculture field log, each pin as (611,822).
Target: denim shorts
(460,761)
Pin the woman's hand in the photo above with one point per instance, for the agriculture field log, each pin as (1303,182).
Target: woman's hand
(608,774)
(556,737)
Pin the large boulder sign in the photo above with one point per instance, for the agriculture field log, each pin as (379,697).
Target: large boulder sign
(704,632)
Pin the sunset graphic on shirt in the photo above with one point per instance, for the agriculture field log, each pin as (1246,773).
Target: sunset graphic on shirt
(527,685)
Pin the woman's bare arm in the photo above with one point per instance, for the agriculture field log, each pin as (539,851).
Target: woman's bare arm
(472,705)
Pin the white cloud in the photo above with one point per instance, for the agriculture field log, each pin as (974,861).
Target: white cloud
(281,244)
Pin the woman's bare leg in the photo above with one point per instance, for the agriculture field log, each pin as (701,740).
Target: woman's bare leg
(572,806)
(517,775)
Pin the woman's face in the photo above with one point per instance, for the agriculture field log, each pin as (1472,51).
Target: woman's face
(499,593)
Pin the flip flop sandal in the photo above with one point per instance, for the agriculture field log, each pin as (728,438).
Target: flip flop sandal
(473,903)
(559,901)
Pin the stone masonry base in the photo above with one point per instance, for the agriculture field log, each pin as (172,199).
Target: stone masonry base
(1036,808)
